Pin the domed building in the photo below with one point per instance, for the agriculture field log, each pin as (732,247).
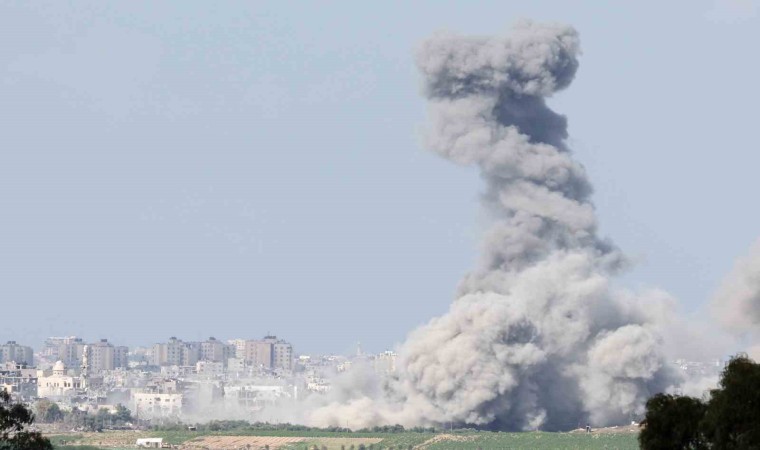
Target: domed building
(59,368)
(58,384)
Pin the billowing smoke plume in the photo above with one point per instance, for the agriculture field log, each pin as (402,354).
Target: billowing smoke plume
(736,304)
(538,336)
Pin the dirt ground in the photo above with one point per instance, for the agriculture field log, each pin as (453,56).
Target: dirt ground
(445,438)
(237,442)
(274,442)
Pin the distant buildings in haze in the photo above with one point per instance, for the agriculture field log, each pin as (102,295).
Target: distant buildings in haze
(20,354)
(267,353)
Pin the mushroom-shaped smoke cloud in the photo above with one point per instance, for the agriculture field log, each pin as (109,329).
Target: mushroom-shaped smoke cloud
(538,337)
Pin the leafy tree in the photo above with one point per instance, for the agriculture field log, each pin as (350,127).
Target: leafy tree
(123,414)
(14,419)
(92,423)
(732,420)
(672,422)
(48,411)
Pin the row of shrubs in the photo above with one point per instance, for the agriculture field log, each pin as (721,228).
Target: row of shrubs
(242,425)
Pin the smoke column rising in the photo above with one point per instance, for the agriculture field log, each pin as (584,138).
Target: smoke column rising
(538,337)
(736,304)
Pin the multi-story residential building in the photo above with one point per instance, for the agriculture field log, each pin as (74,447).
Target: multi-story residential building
(209,369)
(106,356)
(70,351)
(236,366)
(12,352)
(177,371)
(176,353)
(151,405)
(18,380)
(269,353)
(216,351)
(239,345)
(120,357)
(165,386)
(282,355)
(52,347)
(258,354)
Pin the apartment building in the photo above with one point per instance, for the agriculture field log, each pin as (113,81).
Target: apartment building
(69,350)
(175,352)
(19,381)
(105,356)
(13,352)
(282,355)
(269,353)
(152,405)
(214,350)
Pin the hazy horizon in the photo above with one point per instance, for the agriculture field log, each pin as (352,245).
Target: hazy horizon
(240,169)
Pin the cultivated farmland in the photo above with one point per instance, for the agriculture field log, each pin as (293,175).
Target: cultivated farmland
(615,438)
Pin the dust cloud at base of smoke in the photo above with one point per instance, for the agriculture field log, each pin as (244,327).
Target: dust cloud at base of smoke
(539,336)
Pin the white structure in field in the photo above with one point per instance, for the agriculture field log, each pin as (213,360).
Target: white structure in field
(150,442)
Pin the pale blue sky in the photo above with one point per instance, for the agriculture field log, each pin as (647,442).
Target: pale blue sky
(237,168)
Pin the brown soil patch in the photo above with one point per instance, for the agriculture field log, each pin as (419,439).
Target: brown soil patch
(444,438)
(241,442)
(274,442)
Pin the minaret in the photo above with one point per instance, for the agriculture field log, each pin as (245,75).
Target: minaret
(85,367)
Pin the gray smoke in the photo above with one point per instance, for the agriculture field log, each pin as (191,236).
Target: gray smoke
(538,337)
(736,304)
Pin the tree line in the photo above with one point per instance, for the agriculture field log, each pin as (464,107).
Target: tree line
(727,418)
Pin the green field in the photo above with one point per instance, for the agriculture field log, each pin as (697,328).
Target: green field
(470,440)
(494,441)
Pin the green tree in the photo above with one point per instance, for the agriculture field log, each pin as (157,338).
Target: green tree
(122,414)
(15,418)
(48,411)
(732,420)
(672,422)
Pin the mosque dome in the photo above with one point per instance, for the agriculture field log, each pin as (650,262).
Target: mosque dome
(59,367)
